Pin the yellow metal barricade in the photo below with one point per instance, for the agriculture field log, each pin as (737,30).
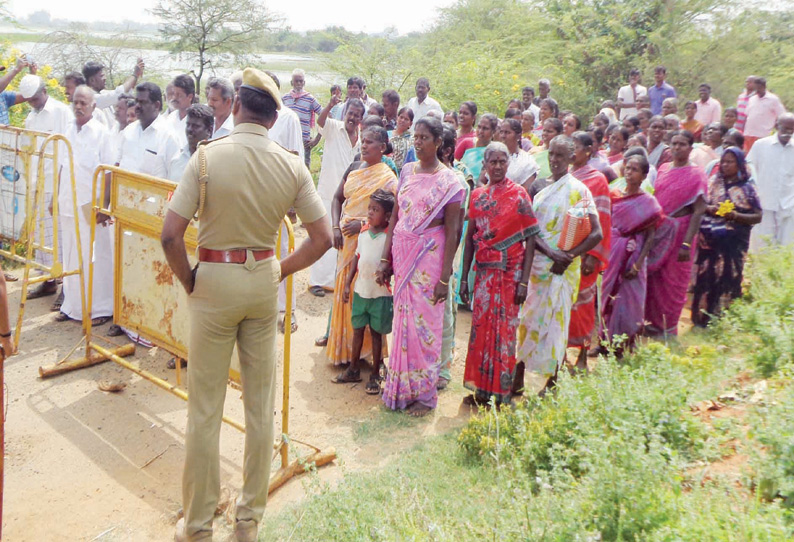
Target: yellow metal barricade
(25,155)
(150,301)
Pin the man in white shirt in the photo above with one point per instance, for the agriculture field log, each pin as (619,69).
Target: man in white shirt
(91,145)
(709,109)
(627,96)
(422,104)
(528,101)
(220,97)
(184,94)
(94,75)
(51,116)
(148,144)
(773,160)
(198,128)
(368,101)
(342,143)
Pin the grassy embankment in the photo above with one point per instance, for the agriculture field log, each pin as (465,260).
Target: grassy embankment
(689,441)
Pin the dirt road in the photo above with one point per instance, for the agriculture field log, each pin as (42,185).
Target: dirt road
(83,464)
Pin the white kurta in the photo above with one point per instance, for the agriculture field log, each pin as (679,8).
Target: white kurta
(178,126)
(224,129)
(91,146)
(338,154)
(148,151)
(287,133)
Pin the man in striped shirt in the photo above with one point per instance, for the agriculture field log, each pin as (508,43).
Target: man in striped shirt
(741,103)
(305,106)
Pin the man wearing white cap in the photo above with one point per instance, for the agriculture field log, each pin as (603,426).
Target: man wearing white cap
(8,98)
(53,117)
(91,145)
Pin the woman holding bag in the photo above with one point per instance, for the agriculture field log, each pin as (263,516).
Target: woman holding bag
(554,278)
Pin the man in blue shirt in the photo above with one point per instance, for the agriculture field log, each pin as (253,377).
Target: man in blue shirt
(8,98)
(660,91)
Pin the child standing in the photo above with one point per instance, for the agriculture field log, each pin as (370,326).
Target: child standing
(372,304)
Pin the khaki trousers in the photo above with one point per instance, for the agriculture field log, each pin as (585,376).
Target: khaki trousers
(230,302)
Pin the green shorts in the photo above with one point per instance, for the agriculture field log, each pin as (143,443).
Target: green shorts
(376,313)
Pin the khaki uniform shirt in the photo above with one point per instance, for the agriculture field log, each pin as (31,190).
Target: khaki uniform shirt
(252,184)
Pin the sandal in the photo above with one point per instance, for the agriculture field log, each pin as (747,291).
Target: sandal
(10,278)
(317,291)
(62,317)
(321,341)
(100,321)
(373,386)
(294,325)
(442,383)
(171,364)
(115,331)
(43,290)
(56,305)
(349,376)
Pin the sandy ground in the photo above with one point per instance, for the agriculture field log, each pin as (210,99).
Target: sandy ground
(83,464)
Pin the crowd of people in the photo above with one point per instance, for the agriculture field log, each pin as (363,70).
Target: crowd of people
(558,229)
(433,209)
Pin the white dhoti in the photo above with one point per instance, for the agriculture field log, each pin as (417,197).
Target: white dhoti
(44,226)
(323,272)
(775,228)
(102,294)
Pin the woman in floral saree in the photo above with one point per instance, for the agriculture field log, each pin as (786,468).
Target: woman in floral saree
(724,236)
(680,190)
(348,214)
(502,230)
(554,279)
(420,248)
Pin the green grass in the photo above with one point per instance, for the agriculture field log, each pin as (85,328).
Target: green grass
(618,455)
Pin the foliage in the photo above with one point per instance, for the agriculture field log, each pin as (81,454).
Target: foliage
(68,50)
(8,57)
(763,322)
(487,50)
(206,29)
(609,457)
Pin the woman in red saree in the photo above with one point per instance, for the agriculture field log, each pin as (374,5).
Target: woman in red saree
(595,261)
(502,228)
(420,248)
(680,190)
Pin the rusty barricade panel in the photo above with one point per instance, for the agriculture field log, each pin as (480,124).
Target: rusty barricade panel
(148,298)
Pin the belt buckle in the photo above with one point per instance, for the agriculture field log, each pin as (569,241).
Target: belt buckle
(250,261)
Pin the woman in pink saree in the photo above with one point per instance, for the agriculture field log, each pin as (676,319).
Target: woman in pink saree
(680,190)
(635,214)
(420,248)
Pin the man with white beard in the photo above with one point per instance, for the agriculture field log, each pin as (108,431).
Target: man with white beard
(91,145)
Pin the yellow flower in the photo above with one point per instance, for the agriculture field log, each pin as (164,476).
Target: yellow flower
(497,93)
(515,87)
(515,77)
(501,72)
(726,207)
(52,82)
(477,86)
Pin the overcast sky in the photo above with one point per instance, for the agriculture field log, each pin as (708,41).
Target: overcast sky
(405,15)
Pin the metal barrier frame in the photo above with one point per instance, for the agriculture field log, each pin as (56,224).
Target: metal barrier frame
(35,213)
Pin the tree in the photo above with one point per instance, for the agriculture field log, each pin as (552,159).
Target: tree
(209,28)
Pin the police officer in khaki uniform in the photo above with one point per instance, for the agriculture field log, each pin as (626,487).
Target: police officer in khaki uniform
(249,184)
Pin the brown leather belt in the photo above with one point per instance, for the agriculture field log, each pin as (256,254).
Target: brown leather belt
(237,255)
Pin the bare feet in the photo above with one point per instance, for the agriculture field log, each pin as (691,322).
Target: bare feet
(418,410)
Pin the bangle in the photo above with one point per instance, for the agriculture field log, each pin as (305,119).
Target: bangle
(444,283)
(5,335)
(337,228)
(523,284)
(687,245)
(385,260)
(634,267)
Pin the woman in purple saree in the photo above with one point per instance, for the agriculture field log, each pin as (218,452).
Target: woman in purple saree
(420,248)
(680,190)
(635,214)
